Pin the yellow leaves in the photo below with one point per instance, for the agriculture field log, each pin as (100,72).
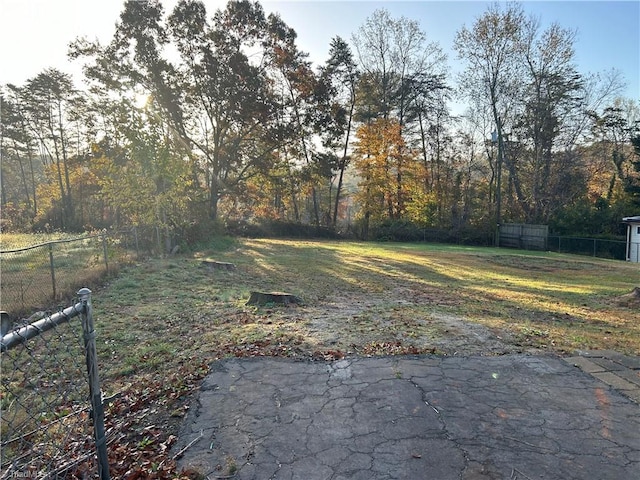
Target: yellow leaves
(388,169)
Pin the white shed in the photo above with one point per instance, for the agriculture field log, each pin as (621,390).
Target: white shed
(633,238)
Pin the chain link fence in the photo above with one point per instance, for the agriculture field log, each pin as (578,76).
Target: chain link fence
(50,402)
(595,247)
(51,407)
(37,277)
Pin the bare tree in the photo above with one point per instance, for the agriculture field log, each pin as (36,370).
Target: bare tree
(391,53)
(552,94)
(491,49)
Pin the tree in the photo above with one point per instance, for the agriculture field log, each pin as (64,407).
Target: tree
(216,96)
(492,75)
(19,171)
(615,133)
(634,185)
(381,158)
(339,78)
(402,74)
(151,183)
(49,105)
(298,88)
(552,94)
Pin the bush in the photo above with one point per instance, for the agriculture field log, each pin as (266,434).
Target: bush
(202,235)
(206,235)
(397,231)
(266,228)
(406,231)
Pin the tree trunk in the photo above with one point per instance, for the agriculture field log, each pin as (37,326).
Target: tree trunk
(213,201)
(33,183)
(4,190)
(343,166)
(338,190)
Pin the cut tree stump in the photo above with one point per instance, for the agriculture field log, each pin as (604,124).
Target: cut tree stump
(215,265)
(631,299)
(263,298)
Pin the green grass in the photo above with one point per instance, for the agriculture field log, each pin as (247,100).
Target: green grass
(161,322)
(27,283)
(10,241)
(361,293)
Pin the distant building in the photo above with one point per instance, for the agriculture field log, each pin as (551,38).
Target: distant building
(633,238)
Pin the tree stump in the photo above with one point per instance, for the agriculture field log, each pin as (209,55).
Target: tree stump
(631,299)
(263,298)
(215,265)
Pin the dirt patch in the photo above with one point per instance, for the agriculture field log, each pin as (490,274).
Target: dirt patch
(399,318)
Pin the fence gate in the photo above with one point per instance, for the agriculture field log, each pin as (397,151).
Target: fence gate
(523,236)
(52,422)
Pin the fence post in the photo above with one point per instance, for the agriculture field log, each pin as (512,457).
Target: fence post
(53,273)
(6,323)
(97,407)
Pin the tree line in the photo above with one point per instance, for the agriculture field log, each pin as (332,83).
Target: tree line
(191,118)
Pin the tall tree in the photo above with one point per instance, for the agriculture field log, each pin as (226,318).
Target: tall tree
(339,77)
(216,95)
(552,94)
(400,70)
(18,159)
(381,157)
(297,87)
(227,108)
(491,79)
(634,185)
(48,103)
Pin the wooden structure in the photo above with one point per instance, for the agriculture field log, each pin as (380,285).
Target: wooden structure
(524,236)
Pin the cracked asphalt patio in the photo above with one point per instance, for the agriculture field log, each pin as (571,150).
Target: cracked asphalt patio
(417,417)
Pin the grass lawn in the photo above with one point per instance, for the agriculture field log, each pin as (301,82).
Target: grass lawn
(42,271)
(361,294)
(161,323)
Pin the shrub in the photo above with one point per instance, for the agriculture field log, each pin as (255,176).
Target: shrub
(267,228)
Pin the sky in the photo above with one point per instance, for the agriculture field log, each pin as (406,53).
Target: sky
(34,34)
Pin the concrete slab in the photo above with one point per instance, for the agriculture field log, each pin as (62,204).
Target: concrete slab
(631,362)
(608,364)
(414,417)
(632,376)
(615,381)
(585,364)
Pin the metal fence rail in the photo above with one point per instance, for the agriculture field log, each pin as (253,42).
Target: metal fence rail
(52,420)
(38,276)
(595,247)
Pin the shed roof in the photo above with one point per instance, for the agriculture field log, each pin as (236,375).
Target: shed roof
(635,219)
